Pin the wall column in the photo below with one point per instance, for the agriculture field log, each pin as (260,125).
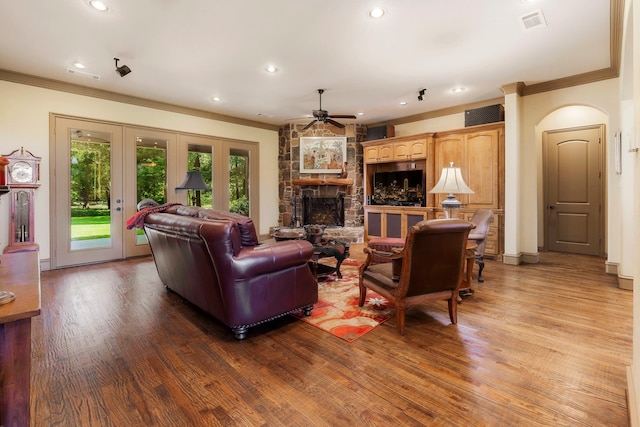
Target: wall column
(512,202)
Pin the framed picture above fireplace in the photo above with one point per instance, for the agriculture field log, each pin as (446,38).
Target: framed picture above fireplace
(322,154)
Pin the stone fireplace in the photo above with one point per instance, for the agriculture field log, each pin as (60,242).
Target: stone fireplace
(321,186)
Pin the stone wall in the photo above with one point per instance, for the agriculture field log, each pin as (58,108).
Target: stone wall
(289,165)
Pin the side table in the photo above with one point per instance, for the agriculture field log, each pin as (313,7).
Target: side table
(328,249)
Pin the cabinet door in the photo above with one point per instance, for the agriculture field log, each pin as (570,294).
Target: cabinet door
(370,154)
(385,152)
(416,149)
(481,170)
(378,153)
(449,149)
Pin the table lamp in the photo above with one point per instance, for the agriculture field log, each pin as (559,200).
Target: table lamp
(195,184)
(451,183)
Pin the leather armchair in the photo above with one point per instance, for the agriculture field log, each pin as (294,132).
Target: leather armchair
(213,260)
(428,268)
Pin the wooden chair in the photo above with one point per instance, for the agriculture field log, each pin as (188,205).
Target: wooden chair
(482,219)
(428,268)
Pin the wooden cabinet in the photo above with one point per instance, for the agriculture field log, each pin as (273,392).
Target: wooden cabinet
(479,152)
(414,147)
(378,153)
(409,150)
(393,221)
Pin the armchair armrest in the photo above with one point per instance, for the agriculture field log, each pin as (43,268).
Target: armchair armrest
(395,257)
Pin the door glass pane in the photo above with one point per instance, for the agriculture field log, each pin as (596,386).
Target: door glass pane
(151,174)
(200,159)
(239,182)
(90,189)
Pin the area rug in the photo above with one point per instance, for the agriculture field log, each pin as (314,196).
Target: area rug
(337,310)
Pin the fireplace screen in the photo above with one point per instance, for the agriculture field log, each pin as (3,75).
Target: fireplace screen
(327,211)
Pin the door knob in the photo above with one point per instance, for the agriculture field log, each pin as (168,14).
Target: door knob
(552,207)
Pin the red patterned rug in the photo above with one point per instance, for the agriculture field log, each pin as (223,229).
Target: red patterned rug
(337,310)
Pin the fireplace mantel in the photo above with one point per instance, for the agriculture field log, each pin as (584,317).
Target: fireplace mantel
(323,181)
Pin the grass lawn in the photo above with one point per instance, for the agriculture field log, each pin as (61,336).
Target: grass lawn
(90,227)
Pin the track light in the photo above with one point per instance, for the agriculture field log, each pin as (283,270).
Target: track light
(123,70)
(421,94)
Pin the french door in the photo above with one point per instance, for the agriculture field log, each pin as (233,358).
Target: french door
(87,194)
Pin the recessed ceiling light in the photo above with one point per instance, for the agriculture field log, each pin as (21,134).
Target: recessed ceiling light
(216,98)
(376,12)
(271,69)
(78,65)
(361,114)
(403,102)
(98,5)
(458,89)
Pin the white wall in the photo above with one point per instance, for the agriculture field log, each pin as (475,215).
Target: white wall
(24,122)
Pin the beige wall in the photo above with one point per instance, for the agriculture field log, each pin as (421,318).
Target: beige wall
(24,122)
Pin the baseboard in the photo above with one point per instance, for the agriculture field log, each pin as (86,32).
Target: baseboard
(625,283)
(611,267)
(533,258)
(45,264)
(521,258)
(632,410)
(512,259)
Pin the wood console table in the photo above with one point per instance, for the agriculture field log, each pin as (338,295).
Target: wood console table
(20,274)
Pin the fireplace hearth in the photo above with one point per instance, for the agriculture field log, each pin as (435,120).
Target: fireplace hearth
(327,211)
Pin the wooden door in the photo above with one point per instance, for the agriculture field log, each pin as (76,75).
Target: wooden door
(573,190)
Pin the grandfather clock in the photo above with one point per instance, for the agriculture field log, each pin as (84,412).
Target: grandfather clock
(22,177)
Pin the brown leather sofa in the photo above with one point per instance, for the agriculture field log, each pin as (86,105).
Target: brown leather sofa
(213,259)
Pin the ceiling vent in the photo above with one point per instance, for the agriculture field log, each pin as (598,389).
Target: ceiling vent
(83,74)
(533,20)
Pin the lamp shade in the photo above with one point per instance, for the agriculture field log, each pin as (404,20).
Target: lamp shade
(451,182)
(193,181)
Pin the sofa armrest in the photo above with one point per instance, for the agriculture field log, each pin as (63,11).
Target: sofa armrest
(269,258)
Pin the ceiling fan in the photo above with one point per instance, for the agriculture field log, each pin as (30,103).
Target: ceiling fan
(323,116)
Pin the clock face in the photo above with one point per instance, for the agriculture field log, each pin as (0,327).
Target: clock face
(22,172)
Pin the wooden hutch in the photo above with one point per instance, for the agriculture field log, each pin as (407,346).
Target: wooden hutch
(477,150)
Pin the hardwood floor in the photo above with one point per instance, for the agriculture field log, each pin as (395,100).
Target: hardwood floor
(537,345)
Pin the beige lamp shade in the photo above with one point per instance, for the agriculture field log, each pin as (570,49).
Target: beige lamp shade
(451,183)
